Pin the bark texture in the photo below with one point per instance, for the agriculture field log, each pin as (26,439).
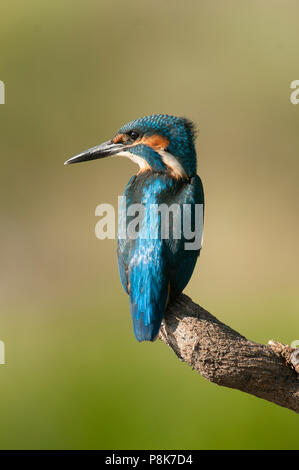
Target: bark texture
(225,357)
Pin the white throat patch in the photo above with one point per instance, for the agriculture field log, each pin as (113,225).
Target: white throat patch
(176,169)
(143,165)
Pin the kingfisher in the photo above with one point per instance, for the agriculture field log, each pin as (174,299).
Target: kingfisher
(154,270)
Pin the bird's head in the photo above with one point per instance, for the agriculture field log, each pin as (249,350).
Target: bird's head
(159,143)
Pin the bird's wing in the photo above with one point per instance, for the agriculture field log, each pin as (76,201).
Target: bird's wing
(151,269)
(182,261)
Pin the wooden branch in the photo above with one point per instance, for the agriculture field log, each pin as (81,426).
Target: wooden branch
(227,358)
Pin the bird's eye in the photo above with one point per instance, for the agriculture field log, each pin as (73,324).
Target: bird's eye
(133,135)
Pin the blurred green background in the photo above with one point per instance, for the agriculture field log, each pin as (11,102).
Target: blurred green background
(75,71)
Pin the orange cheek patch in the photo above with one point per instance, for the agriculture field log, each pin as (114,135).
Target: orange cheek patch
(156,142)
(120,138)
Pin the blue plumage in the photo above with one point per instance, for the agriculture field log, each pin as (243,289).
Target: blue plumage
(153,269)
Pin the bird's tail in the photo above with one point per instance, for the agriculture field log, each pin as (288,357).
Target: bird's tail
(147,305)
(147,320)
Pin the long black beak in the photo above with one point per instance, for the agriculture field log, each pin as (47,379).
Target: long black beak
(100,151)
